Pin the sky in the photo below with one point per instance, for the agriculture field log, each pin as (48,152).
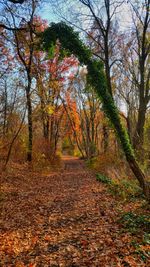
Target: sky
(123,14)
(47,13)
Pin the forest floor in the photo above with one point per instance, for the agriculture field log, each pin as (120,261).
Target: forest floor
(65,219)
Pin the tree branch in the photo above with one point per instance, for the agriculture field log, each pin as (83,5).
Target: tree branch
(17,1)
(11,28)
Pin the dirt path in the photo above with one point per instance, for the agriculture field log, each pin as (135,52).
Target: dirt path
(65,219)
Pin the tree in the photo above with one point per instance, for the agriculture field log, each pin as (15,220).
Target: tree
(132,73)
(102,38)
(25,42)
(101,33)
(141,78)
(6,57)
(52,73)
(83,108)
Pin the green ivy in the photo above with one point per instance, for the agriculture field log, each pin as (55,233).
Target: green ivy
(134,223)
(102,178)
(71,42)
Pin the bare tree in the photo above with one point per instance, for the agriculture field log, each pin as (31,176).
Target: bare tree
(132,74)
(141,19)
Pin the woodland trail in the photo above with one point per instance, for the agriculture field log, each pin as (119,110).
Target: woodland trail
(65,219)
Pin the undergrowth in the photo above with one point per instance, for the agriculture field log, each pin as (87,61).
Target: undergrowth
(138,225)
(124,189)
(135,223)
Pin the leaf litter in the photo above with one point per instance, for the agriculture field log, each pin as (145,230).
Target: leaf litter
(64,219)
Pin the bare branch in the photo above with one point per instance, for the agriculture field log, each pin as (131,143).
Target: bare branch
(17,1)
(12,28)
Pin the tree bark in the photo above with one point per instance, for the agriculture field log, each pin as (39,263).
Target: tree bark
(105,138)
(140,176)
(5,128)
(30,127)
(139,134)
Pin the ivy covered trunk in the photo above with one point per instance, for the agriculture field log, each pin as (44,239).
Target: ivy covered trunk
(140,176)
(98,81)
(70,41)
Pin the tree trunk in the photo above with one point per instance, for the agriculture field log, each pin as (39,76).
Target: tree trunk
(140,176)
(5,124)
(108,79)
(105,138)
(30,128)
(46,128)
(139,134)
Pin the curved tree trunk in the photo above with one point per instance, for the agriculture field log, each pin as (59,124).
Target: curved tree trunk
(112,113)
(70,40)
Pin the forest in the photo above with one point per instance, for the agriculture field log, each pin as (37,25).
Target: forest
(74,133)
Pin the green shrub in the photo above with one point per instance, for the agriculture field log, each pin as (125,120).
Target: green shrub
(134,223)
(102,178)
(125,189)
